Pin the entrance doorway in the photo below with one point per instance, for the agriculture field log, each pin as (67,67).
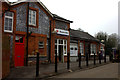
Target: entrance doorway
(61,49)
(19,51)
(60,53)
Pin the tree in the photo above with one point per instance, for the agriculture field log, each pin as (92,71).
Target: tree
(102,36)
(80,29)
(110,41)
(113,40)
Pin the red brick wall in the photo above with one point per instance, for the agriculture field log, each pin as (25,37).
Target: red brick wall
(53,37)
(5,55)
(5,46)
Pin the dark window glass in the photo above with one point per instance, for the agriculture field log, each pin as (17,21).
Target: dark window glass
(75,48)
(71,48)
(56,41)
(21,39)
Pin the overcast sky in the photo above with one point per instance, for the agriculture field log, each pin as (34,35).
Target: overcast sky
(91,16)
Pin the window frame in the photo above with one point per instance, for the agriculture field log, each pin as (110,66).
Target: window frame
(9,17)
(93,49)
(36,17)
(82,48)
(41,44)
(32,11)
(57,43)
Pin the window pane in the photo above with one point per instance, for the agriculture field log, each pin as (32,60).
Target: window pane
(56,41)
(71,48)
(41,44)
(10,25)
(64,41)
(65,50)
(75,48)
(16,39)
(29,19)
(32,17)
(8,21)
(33,20)
(6,24)
(21,39)
(59,41)
(10,14)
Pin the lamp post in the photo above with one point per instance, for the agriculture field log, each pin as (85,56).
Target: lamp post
(68,55)
(27,34)
(54,32)
(103,41)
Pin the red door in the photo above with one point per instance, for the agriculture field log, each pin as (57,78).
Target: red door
(19,51)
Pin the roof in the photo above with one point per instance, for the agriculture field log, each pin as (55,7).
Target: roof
(76,34)
(52,15)
(61,18)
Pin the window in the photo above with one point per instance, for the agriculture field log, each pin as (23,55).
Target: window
(93,49)
(63,43)
(32,17)
(82,48)
(41,44)
(75,48)
(8,22)
(19,39)
(71,48)
(65,47)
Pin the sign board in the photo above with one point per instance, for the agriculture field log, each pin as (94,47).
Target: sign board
(62,32)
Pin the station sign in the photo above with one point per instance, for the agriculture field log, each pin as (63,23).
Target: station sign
(62,32)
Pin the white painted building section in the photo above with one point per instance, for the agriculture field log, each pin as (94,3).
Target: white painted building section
(73,51)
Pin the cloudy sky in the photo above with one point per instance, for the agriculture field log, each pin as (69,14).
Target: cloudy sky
(91,16)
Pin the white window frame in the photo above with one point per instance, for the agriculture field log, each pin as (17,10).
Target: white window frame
(41,44)
(93,49)
(62,45)
(66,47)
(73,52)
(82,48)
(9,17)
(32,17)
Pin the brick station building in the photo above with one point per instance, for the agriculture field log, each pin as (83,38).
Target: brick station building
(48,33)
(84,43)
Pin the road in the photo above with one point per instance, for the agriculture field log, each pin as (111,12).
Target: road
(105,71)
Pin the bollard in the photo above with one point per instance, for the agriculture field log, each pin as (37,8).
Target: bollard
(87,59)
(79,60)
(118,56)
(94,60)
(105,58)
(56,62)
(110,57)
(99,58)
(37,65)
(68,61)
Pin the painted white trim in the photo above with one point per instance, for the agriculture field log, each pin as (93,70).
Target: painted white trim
(9,17)
(74,52)
(63,45)
(32,17)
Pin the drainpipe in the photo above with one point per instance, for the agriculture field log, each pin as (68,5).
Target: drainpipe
(49,59)
(27,34)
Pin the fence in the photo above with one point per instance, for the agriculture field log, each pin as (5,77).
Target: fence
(42,70)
